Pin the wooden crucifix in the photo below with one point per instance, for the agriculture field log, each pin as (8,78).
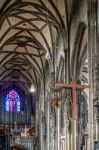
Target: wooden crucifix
(73,86)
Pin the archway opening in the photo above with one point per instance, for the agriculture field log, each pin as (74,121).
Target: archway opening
(18,147)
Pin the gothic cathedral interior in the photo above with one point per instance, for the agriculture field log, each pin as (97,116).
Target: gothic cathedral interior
(49,84)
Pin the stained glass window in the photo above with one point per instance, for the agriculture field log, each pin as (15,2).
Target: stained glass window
(12,101)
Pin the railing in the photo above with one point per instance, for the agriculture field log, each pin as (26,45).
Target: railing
(25,141)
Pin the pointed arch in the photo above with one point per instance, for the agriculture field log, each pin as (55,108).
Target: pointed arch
(12,102)
(79,45)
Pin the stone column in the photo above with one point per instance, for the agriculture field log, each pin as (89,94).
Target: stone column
(71,137)
(97,130)
(86,141)
(48,128)
(92,51)
(58,128)
(67,136)
(40,132)
(57,105)
(41,122)
(96,96)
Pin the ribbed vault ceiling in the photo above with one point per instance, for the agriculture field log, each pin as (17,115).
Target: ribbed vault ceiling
(28,30)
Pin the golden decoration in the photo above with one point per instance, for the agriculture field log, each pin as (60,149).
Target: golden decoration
(57,103)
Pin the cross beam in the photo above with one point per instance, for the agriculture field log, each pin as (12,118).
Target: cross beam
(74,87)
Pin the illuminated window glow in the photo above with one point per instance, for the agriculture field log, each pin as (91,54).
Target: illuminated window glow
(12,103)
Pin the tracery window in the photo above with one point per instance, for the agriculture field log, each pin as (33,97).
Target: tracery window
(12,102)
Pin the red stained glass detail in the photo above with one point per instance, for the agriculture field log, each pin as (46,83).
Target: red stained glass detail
(13,94)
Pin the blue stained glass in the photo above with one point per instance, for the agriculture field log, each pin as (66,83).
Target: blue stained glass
(12,103)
